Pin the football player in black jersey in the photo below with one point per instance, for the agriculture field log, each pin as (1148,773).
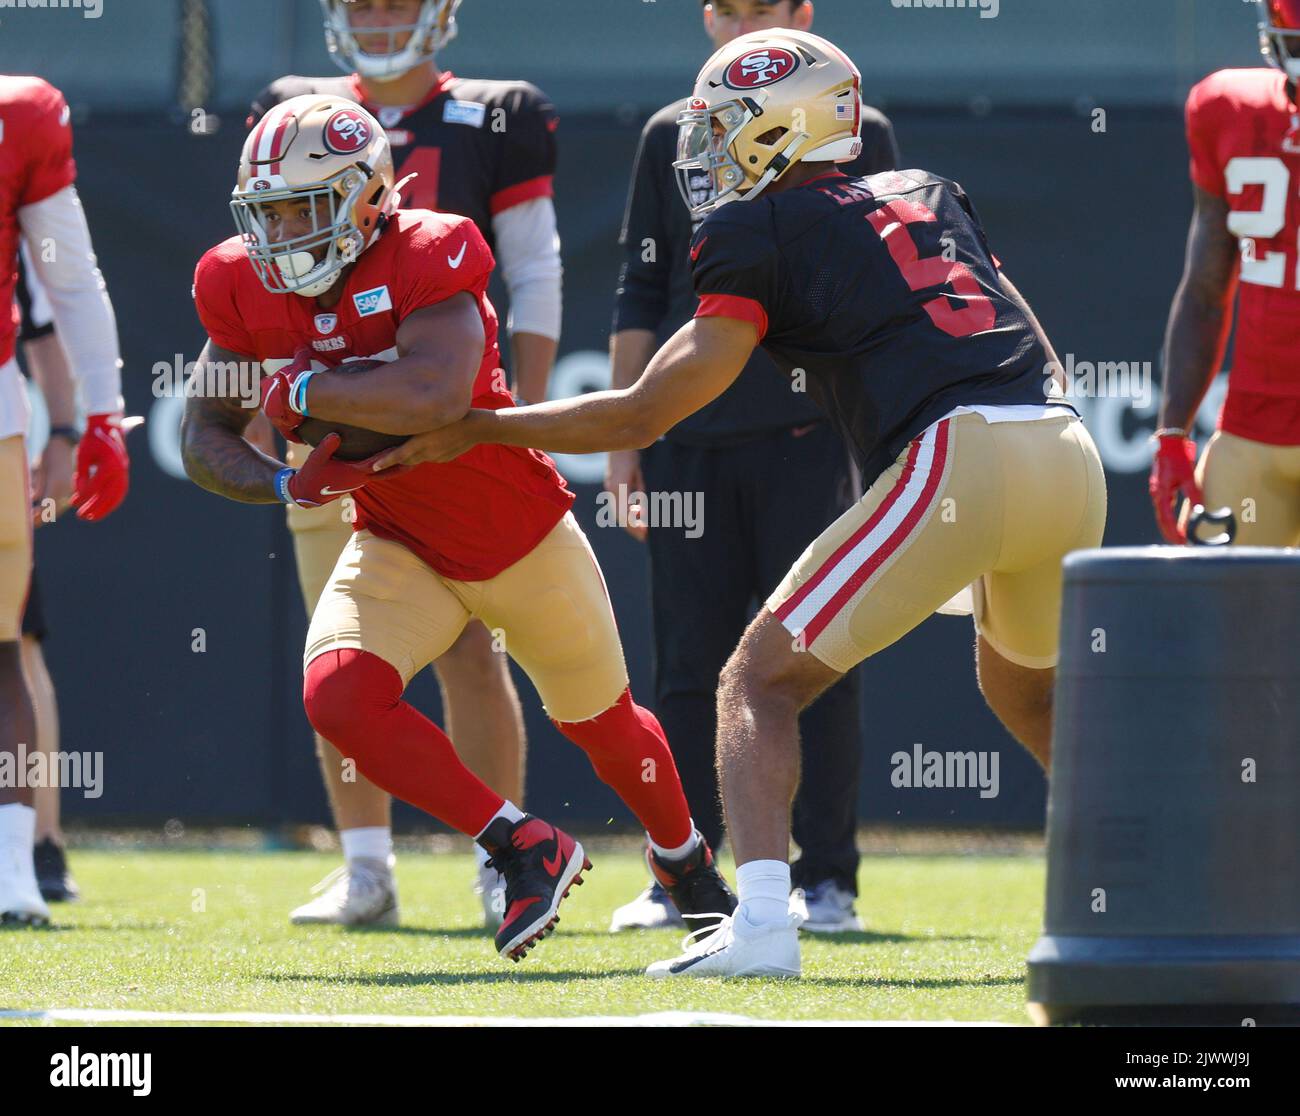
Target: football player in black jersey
(485,150)
(881,294)
(770,470)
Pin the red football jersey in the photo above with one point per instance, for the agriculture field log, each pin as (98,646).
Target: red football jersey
(1244,136)
(470,518)
(35,162)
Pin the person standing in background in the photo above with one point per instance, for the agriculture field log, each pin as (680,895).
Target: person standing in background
(52,474)
(756,456)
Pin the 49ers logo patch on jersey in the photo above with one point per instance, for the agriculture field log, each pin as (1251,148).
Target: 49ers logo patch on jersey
(346,133)
(761,67)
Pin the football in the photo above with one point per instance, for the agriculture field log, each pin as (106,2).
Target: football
(357,443)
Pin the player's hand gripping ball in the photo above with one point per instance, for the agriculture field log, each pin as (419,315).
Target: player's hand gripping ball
(283,396)
(323,478)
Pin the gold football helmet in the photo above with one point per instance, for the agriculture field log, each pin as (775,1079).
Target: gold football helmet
(312,147)
(762,103)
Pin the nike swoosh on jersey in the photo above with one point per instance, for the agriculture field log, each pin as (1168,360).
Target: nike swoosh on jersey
(339,491)
(456,261)
(695,252)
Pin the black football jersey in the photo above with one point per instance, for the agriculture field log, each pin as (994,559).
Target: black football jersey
(880,294)
(478,147)
(655,290)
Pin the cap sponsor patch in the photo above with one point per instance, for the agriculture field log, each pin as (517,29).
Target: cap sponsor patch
(464,112)
(374,301)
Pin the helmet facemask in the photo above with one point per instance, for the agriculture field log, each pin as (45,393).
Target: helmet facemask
(290,266)
(1280,44)
(705,153)
(434,29)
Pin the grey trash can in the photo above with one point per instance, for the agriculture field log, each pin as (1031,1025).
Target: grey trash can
(1173,870)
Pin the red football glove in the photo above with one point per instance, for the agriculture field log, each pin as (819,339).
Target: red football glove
(321,480)
(282,394)
(103,467)
(1173,476)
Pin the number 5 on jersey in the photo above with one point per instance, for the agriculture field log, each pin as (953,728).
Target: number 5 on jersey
(977,314)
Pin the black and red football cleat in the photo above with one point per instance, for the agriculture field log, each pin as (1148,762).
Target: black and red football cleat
(540,864)
(695,886)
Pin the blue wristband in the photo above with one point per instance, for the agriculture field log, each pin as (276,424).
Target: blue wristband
(298,396)
(282,485)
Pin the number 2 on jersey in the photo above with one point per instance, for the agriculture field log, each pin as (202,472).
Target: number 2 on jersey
(977,314)
(1264,223)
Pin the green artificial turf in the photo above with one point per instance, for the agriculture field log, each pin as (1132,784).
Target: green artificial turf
(189,931)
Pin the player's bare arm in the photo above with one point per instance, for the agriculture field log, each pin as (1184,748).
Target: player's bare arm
(534,357)
(695,366)
(630,353)
(213,447)
(428,386)
(1201,317)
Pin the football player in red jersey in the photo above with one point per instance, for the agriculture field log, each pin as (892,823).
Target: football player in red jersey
(489,537)
(39,204)
(1243,128)
(484,150)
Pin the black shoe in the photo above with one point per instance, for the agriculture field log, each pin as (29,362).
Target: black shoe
(540,864)
(52,875)
(695,886)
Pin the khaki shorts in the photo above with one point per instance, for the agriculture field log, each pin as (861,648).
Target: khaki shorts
(15,535)
(549,612)
(1259,482)
(319,536)
(996,505)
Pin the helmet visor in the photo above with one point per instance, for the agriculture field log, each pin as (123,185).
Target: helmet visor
(707,174)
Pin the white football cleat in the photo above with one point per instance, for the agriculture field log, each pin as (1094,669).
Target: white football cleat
(651,910)
(738,948)
(490,887)
(825,908)
(20,897)
(362,893)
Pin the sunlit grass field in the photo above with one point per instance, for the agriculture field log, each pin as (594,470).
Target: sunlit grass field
(207,932)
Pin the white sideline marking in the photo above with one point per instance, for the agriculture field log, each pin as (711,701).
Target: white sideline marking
(655,1019)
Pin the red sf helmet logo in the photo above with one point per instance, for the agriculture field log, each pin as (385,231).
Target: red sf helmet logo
(346,132)
(760,67)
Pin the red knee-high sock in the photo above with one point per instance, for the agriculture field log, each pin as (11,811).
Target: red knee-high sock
(354,700)
(629,751)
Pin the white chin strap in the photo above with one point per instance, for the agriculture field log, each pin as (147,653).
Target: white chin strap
(299,266)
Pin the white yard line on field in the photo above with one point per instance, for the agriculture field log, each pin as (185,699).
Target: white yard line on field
(656,1019)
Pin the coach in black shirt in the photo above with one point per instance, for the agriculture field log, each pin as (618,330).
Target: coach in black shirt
(772,474)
